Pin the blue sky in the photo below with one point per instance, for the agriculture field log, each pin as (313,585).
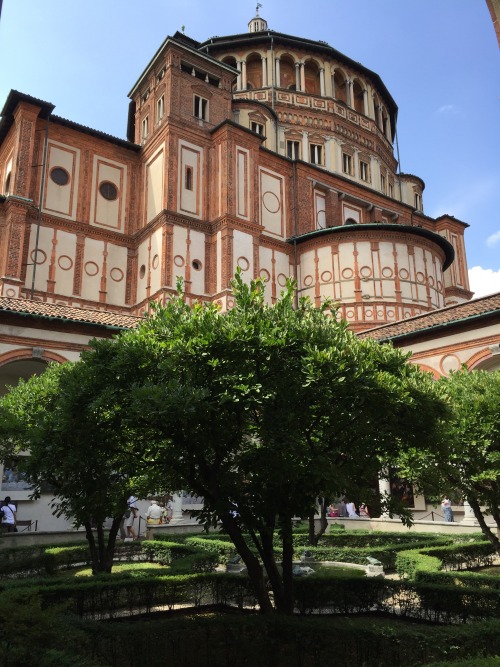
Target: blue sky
(438,58)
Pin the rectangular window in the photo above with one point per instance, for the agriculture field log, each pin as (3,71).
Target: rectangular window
(200,107)
(347,163)
(418,201)
(364,172)
(391,190)
(188,178)
(316,153)
(257,127)
(293,150)
(145,127)
(382,183)
(160,108)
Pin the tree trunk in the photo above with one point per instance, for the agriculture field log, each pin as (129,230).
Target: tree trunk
(487,532)
(313,536)
(288,587)
(94,556)
(269,560)
(254,568)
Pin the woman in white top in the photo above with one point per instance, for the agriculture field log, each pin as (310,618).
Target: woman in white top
(351,510)
(9,516)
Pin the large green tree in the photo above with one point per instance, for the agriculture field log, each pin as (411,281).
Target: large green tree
(65,418)
(465,459)
(259,408)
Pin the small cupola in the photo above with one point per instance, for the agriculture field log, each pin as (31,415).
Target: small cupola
(257,24)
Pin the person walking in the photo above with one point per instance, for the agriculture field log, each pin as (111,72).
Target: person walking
(133,511)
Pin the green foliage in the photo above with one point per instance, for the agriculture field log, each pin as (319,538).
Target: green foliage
(409,564)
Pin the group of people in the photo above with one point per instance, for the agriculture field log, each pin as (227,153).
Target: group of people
(348,509)
(156,514)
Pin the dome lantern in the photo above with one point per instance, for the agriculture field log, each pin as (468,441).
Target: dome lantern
(257,24)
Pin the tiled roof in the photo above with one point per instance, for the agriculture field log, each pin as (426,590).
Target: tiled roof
(68,313)
(486,305)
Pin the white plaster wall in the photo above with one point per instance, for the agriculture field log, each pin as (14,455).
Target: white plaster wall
(43,257)
(272,202)
(116,283)
(179,251)
(103,212)
(242,183)
(243,254)
(155,260)
(190,156)
(65,263)
(142,261)
(62,199)
(198,253)
(92,269)
(154,185)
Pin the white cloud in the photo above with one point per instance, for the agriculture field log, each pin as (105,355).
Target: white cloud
(449,109)
(494,238)
(484,281)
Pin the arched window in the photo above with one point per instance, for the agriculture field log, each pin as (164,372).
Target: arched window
(340,85)
(287,73)
(358,97)
(254,71)
(311,73)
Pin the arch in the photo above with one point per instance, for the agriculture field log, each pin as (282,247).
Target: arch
(287,72)
(27,354)
(254,71)
(311,75)
(340,85)
(350,221)
(376,110)
(423,367)
(358,94)
(484,360)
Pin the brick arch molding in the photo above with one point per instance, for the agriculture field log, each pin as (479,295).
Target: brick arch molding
(26,354)
(436,374)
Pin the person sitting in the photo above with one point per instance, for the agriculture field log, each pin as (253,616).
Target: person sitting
(8,511)
(351,510)
(363,511)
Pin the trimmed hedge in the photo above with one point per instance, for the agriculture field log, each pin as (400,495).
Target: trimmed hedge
(463,556)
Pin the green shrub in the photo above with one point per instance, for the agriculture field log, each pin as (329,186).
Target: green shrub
(410,563)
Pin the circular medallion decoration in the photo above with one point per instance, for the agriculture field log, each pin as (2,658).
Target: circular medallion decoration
(155,262)
(230,303)
(321,219)
(390,313)
(350,314)
(65,262)
(142,271)
(59,175)
(420,277)
(38,256)
(407,314)
(116,274)
(430,280)
(281,279)
(380,313)
(108,190)
(91,269)
(368,313)
(271,202)
(10,292)
(326,276)
(365,272)
(308,281)
(403,273)
(347,273)
(197,265)
(243,263)
(449,363)
(179,260)
(265,275)
(387,272)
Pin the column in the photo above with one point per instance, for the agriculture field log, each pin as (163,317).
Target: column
(238,80)
(302,78)
(322,81)
(365,102)
(328,160)
(297,76)
(348,90)
(305,146)
(278,74)
(264,72)
(333,81)
(385,490)
(243,74)
(177,510)
(355,166)
(469,516)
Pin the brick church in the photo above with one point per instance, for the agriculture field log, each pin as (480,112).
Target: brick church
(260,150)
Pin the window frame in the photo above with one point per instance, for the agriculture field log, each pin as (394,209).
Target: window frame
(316,151)
(200,107)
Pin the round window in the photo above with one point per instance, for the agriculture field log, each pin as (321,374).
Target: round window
(196,264)
(142,271)
(108,190)
(59,175)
